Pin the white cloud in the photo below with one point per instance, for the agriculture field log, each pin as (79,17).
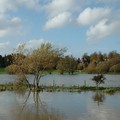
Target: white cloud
(58,21)
(4,45)
(9,26)
(32,44)
(103,29)
(6,5)
(56,7)
(6,48)
(90,16)
(31,4)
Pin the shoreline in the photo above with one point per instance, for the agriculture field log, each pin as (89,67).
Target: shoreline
(14,87)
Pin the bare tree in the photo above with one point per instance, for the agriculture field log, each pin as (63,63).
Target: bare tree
(98,79)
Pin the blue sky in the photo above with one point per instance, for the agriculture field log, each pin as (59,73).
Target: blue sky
(83,26)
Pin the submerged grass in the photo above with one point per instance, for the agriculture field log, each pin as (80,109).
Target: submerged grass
(14,87)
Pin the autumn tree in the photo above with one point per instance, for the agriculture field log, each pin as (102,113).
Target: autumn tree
(115,68)
(61,66)
(67,64)
(43,58)
(113,54)
(102,67)
(37,61)
(94,57)
(91,68)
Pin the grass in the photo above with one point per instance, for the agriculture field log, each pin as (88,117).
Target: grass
(14,87)
(2,71)
(65,73)
(113,73)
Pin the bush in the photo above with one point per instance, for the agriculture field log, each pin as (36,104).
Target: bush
(80,66)
(115,68)
(91,68)
(102,67)
(114,61)
(12,69)
(98,79)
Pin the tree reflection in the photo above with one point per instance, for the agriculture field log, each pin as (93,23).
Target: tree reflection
(35,111)
(98,97)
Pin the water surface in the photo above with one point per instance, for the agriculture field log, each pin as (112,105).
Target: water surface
(59,106)
(67,80)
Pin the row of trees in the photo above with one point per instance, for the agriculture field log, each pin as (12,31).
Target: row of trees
(35,62)
(104,63)
(94,63)
(49,58)
(5,61)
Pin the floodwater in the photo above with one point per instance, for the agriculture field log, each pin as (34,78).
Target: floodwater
(59,106)
(67,80)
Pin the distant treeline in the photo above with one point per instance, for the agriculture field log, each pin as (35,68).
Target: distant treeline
(6,60)
(94,63)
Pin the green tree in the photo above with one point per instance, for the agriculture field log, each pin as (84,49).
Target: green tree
(61,66)
(80,66)
(67,64)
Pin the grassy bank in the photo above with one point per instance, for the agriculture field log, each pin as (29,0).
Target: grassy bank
(2,71)
(14,87)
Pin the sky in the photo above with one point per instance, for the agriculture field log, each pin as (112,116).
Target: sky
(82,26)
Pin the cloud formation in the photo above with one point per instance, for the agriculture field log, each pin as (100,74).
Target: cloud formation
(33,44)
(6,5)
(4,45)
(91,16)
(5,48)
(102,29)
(100,19)
(9,25)
(56,7)
(101,23)
(58,21)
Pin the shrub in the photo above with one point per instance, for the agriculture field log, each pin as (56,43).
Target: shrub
(98,79)
(102,67)
(114,61)
(12,69)
(80,66)
(91,68)
(115,68)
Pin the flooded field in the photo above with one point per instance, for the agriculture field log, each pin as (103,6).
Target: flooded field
(67,80)
(59,106)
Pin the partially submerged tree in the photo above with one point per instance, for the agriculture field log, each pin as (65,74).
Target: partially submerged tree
(98,79)
(43,58)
